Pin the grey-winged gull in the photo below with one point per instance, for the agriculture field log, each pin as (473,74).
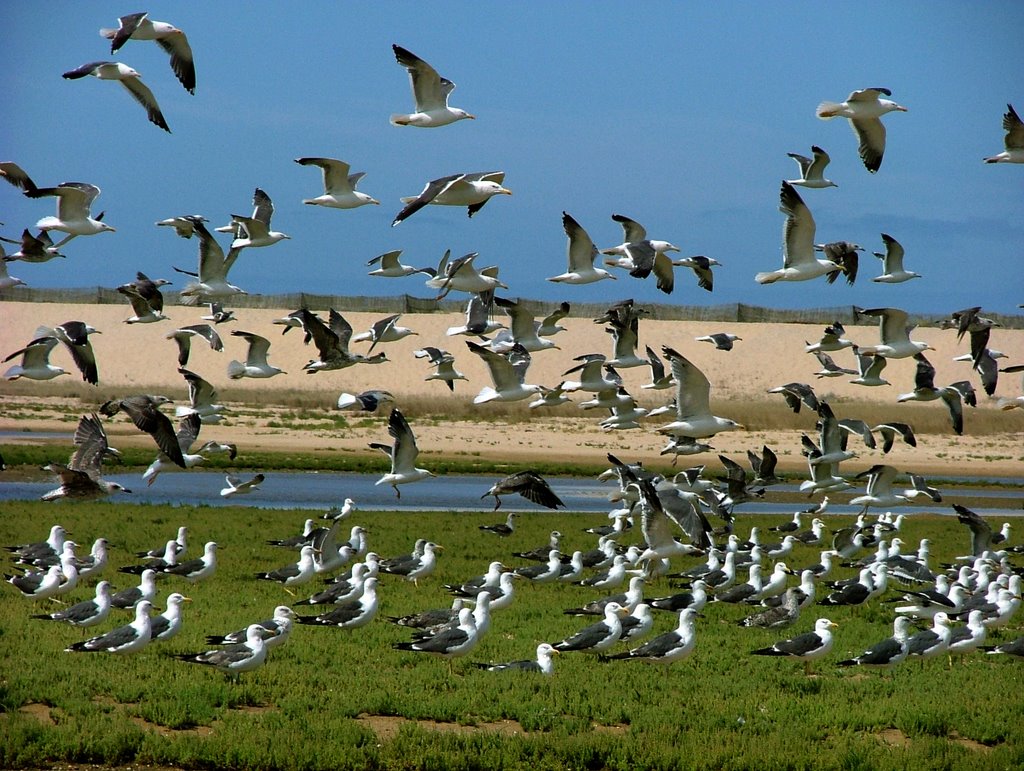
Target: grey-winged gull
(812,170)
(403,454)
(123,639)
(581,256)
(1013,141)
(430,92)
(472,190)
(339,185)
(864,110)
(799,262)
(138,26)
(807,647)
(130,79)
(243,657)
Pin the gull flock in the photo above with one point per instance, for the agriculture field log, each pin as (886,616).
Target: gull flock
(672,515)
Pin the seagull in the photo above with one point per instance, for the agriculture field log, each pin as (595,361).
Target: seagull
(7,281)
(430,92)
(339,186)
(503,529)
(693,411)
(581,255)
(386,330)
(168,624)
(782,614)
(844,254)
(17,176)
(591,378)
(641,256)
(597,637)
(254,231)
(332,343)
(292,575)
(188,432)
(831,339)
(130,79)
(879,489)
(797,394)
(35,361)
(478,311)
(798,260)
(74,199)
(528,484)
(1013,141)
(255,360)
(524,330)
(864,109)
(37,585)
(450,642)
(350,614)
(202,399)
(123,639)
(893,271)
(367,401)
(218,315)
(183,337)
(35,249)
(889,431)
(668,646)
(807,647)
(545,573)
(869,368)
(403,454)
(80,479)
(508,371)
(721,340)
(86,613)
(132,596)
(542,664)
(138,26)
(701,267)
(142,309)
(888,652)
(812,170)
(829,368)
(236,486)
(274,631)
(444,363)
(184,225)
(212,281)
(461,275)
(894,332)
(144,411)
(390,267)
(243,657)
(926,391)
(196,569)
(470,189)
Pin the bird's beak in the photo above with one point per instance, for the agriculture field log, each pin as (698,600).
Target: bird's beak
(186,599)
(505,191)
(555,650)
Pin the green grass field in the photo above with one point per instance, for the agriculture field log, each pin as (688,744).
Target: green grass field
(331,699)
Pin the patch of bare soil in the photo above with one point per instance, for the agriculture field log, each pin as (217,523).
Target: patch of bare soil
(386,727)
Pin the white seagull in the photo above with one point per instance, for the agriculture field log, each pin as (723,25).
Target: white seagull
(403,454)
(391,267)
(254,231)
(693,410)
(582,254)
(812,170)
(130,79)
(430,92)
(35,361)
(1013,141)
(339,186)
(508,371)
(212,280)
(74,200)
(472,190)
(236,486)
(243,657)
(892,263)
(864,109)
(799,262)
(894,331)
(255,360)
(123,639)
(138,26)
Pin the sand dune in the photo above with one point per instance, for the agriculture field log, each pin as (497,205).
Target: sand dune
(139,358)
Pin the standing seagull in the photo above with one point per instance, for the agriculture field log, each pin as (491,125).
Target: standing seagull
(430,92)
(138,26)
(472,190)
(864,110)
(130,79)
(812,171)
(887,653)
(582,254)
(543,663)
(798,260)
(242,657)
(1014,140)
(669,646)
(339,186)
(403,454)
(86,613)
(124,639)
(597,637)
(807,647)
(74,200)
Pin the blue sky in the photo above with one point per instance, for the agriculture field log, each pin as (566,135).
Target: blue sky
(679,115)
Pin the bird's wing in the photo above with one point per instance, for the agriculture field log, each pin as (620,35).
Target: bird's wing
(430,91)
(176,45)
(582,251)
(692,386)
(632,230)
(404,456)
(502,372)
(428,194)
(798,232)
(140,91)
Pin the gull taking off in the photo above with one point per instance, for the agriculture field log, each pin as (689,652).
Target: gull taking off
(403,454)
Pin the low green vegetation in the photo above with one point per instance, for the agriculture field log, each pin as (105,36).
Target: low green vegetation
(332,699)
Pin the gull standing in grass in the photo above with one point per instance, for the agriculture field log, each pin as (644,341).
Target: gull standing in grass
(887,653)
(37,585)
(349,614)
(668,646)
(450,642)
(799,262)
(130,79)
(403,454)
(127,599)
(812,170)
(243,657)
(597,637)
(275,630)
(1013,141)
(86,613)
(581,253)
(339,186)
(430,92)
(138,26)
(123,639)
(295,574)
(168,624)
(864,110)
(807,647)
(196,569)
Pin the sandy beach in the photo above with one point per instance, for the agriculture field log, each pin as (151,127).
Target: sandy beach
(138,358)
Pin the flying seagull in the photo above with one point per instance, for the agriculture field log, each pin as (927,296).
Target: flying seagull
(144,411)
(528,484)
(339,185)
(403,454)
(138,26)
(472,190)
(430,92)
(130,79)
(893,271)
(864,109)
(798,260)
(35,361)
(581,254)
(1013,141)
(74,200)
(254,231)
(256,364)
(812,170)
